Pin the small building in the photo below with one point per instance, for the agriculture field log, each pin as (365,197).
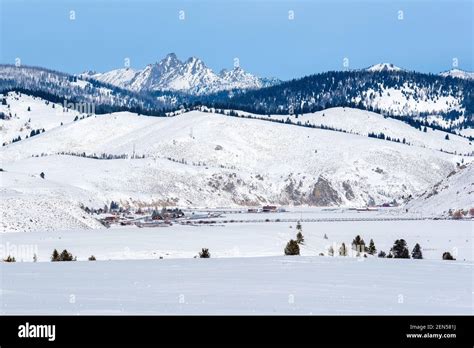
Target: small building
(269,208)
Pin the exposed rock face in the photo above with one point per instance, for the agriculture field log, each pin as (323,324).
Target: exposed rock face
(323,194)
(348,188)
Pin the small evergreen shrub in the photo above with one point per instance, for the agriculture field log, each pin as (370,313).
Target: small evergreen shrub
(292,248)
(400,249)
(447,256)
(416,252)
(9,259)
(204,254)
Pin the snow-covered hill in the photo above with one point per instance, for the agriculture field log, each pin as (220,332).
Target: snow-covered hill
(30,203)
(191,76)
(205,159)
(458,73)
(455,192)
(383,67)
(24,114)
(362,122)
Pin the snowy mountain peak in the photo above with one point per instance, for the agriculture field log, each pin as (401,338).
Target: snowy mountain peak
(170,61)
(191,76)
(195,65)
(384,67)
(458,73)
(237,74)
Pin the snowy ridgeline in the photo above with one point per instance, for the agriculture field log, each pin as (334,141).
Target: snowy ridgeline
(268,285)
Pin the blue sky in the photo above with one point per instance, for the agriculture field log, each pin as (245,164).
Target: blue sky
(259,33)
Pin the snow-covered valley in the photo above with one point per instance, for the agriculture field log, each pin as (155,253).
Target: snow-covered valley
(206,161)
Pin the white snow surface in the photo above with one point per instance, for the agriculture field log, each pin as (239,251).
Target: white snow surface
(269,285)
(30,203)
(453,193)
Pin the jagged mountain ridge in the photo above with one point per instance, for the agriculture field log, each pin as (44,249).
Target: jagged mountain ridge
(191,76)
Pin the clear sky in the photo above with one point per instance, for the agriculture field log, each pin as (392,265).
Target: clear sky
(259,33)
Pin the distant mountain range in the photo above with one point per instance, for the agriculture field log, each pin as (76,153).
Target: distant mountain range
(445,100)
(191,76)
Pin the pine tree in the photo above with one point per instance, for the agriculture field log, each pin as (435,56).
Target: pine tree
(381,254)
(66,256)
(299,235)
(343,250)
(292,248)
(371,250)
(358,244)
(55,256)
(204,254)
(400,250)
(299,238)
(331,251)
(416,253)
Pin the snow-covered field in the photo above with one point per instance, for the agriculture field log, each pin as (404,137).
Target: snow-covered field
(240,239)
(246,274)
(265,285)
